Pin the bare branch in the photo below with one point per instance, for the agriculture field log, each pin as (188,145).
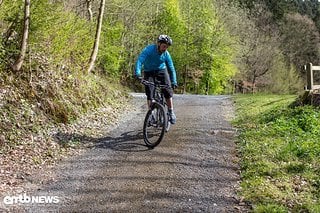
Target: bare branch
(97,39)
(18,63)
(89,9)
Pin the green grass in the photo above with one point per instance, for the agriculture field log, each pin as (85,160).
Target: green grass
(280,153)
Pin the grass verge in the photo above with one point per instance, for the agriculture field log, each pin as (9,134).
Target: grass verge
(280,153)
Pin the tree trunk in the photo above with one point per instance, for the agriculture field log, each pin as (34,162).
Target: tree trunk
(185,78)
(89,9)
(24,42)
(97,39)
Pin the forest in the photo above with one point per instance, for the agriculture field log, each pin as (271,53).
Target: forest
(263,42)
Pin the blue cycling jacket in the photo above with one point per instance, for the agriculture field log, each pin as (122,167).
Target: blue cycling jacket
(152,60)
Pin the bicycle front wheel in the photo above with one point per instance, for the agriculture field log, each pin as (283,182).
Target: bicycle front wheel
(154,125)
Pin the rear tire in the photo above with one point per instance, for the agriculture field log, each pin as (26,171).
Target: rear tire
(154,125)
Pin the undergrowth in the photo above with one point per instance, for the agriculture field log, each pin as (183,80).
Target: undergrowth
(43,111)
(31,101)
(280,153)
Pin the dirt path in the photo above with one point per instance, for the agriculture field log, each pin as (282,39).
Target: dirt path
(194,169)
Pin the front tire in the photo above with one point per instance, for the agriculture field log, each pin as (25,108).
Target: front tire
(154,125)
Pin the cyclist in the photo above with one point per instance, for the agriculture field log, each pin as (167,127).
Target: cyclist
(156,62)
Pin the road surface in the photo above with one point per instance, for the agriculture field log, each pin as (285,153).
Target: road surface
(194,168)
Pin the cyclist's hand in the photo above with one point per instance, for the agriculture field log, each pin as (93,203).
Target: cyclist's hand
(138,77)
(174,86)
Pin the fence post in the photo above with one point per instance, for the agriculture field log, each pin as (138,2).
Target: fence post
(309,76)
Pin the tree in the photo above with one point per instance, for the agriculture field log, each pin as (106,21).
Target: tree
(89,9)
(24,42)
(140,20)
(208,53)
(259,57)
(283,79)
(258,45)
(169,21)
(300,40)
(97,38)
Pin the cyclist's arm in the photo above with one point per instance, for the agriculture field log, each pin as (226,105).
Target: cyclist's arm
(141,59)
(171,69)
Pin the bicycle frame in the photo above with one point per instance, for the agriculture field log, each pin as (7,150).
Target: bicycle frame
(159,98)
(158,95)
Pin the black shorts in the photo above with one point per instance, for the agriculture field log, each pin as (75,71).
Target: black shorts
(163,77)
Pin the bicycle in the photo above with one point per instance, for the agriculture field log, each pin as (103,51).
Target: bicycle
(157,121)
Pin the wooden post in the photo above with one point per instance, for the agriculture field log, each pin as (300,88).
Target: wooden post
(312,93)
(309,76)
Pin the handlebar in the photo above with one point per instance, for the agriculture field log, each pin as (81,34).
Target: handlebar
(148,83)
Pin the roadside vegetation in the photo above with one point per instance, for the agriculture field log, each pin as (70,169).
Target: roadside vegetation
(280,153)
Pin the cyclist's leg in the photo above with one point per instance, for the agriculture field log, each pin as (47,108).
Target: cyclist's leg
(167,92)
(163,76)
(169,103)
(149,89)
(172,115)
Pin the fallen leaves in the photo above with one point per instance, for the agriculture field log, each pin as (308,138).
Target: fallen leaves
(50,143)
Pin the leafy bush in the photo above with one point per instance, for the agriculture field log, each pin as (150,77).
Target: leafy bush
(111,49)
(61,36)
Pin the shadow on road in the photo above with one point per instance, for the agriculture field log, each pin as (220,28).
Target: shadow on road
(130,141)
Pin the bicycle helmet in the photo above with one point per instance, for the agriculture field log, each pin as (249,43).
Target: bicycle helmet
(165,39)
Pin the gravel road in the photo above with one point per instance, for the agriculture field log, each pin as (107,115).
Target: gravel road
(194,168)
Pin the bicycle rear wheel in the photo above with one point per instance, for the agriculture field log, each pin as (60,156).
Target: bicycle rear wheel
(154,125)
